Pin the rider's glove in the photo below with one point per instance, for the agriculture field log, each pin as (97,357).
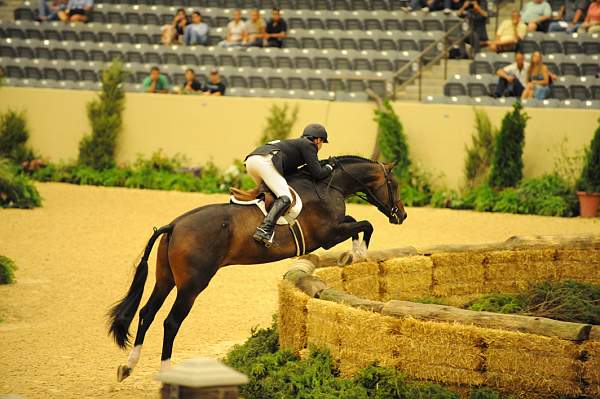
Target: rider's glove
(332,162)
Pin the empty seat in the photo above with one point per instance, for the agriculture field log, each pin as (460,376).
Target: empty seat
(552,67)
(34,34)
(571,47)
(23,14)
(124,37)
(142,38)
(134,56)
(133,18)
(33,73)
(322,63)
(559,91)
(8,52)
(112,55)
(13,71)
(263,61)
(296,23)
(322,5)
(283,62)
(87,36)
(334,24)
(328,43)
(595,92)
(245,61)
(98,17)
(359,5)
(88,75)
(309,42)
(382,65)
(291,42)
(98,55)
(480,67)
(590,69)
(378,86)
(152,58)
(315,23)
(237,81)
(189,59)
(303,63)
(335,84)
(227,60)
(356,85)
(579,92)
(25,52)
(569,69)
(432,25)
(353,24)
(113,17)
(348,44)
(70,74)
(392,24)
(257,82)
(105,37)
(79,55)
(454,89)
(70,36)
(61,54)
(276,82)
(362,64)
(342,63)
(51,73)
(341,5)
(379,5)
(477,89)
(295,83)
(551,47)
(367,44)
(51,34)
(373,24)
(43,53)
(529,46)
(316,84)
(386,44)
(171,58)
(412,24)
(407,45)
(590,47)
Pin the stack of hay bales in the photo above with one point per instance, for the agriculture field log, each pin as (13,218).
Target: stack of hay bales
(360,331)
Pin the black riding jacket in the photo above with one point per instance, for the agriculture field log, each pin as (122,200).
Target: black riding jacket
(288,155)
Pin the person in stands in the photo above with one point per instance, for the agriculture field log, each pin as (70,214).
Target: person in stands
(276,30)
(156,82)
(513,78)
(196,33)
(76,11)
(570,15)
(237,33)
(591,24)
(255,29)
(171,34)
(510,33)
(191,84)
(214,86)
(538,86)
(49,11)
(536,14)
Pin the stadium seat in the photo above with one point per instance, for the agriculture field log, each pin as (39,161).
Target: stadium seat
(373,24)
(33,73)
(590,69)
(23,14)
(362,64)
(382,65)
(476,89)
(334,24)
(295,83)
(322,63)
(34,34)
(79,55)
(579,92)
(454,89)
(342,64)
(316,84)
(529,46)
(551,47)
(569,69)
(61,54)
(392,24)
(480,67)
(257,82)
(238,81)
(559,91)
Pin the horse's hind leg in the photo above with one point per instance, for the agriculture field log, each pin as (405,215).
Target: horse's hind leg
(163,286)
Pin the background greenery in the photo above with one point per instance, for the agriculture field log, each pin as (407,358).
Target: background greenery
(7,270)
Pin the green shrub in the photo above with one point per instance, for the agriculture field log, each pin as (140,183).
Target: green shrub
(275,373)
(479,155)
(97,150)
(392,141)
(446,199)
(14,134)
(16,190)
(498,303)
(482,199)
(507,201)
(507,162)
(548,195)
(7,270)
(590,176)
(279,123)
(568,165)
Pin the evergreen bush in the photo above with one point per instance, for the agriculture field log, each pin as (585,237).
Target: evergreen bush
(14,134)
(279,123)
(7,270)
(97,151)
(479,155)
(392,141)
(590,176)
(16,190)
(507,162)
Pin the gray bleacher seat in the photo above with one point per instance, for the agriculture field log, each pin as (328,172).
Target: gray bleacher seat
(551,47)
(481,67)
(570,103)
(590,44)
(579,92)
(569,69)
(559,91)
(24,14)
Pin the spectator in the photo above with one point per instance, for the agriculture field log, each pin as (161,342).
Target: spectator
(275,31)
(591,24)
(536,14)
(452,5)
(76,11)
(237,33)
(191,84)
(426,5)
(48,11)
(512,78)
(570,14)
(156,82)
(214,87)
(510,33)
(255,29)
(196,32)
(475,11)
(539,79)
(173,33)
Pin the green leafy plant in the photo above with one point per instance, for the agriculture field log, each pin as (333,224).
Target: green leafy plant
(392,140)
(97,150)
(568,164)
(14,134)
(16,190)
(498,303)
(590,176)
(479,155)
(507,162)
(280,123)
(276,373)
(7,270)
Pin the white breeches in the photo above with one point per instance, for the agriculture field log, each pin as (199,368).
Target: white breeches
(261,169)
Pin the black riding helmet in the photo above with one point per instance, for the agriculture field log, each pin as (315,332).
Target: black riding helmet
(315,130)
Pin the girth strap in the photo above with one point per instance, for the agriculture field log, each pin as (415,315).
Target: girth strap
(298,235)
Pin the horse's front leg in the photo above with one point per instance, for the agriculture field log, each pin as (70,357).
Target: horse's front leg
(350,228)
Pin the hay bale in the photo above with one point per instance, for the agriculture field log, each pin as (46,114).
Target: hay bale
(531,363)
(590,353)
(292,317)
(459,273)
(512,271)
(332,276)
(579,264)
(362,279)
(406,278)
(333,295)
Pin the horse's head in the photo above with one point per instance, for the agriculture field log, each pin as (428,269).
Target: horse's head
(377,182)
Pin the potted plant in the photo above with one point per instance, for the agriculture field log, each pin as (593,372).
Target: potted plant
(588,185)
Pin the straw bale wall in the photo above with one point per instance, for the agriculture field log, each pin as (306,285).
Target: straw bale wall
(548,360)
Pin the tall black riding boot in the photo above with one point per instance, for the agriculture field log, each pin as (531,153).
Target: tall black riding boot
(265,232)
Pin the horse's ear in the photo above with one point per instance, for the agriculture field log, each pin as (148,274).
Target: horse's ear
(390,166)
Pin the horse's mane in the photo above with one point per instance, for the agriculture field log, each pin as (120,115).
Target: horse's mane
(345,159)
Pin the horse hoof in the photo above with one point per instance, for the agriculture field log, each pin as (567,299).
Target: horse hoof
(123,372)
(345,259)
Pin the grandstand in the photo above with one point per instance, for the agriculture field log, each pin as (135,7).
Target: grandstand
(335,50)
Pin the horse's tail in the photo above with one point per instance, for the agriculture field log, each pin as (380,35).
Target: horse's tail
(123,312)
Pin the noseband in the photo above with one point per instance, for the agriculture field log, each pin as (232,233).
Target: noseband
(390,210)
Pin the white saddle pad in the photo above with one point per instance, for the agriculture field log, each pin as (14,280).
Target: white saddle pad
(289,217)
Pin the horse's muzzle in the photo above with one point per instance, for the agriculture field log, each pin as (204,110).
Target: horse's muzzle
(397,217)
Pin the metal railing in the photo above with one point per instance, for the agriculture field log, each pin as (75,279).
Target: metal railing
(419,63)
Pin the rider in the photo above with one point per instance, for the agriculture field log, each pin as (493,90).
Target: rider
(271,162)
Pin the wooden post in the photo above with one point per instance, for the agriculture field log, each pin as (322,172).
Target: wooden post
(200,378)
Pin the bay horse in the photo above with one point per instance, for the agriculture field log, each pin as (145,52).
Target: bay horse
(196,244)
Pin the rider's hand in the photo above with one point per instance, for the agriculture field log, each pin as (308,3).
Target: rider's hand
(332,162)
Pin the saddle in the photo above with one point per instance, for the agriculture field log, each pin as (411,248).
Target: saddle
(260,193)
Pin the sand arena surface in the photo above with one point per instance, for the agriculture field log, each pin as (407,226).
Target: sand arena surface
(76,256)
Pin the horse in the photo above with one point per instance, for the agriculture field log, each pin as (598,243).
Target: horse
(198,243)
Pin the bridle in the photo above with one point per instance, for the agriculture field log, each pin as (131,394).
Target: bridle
(390,209)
